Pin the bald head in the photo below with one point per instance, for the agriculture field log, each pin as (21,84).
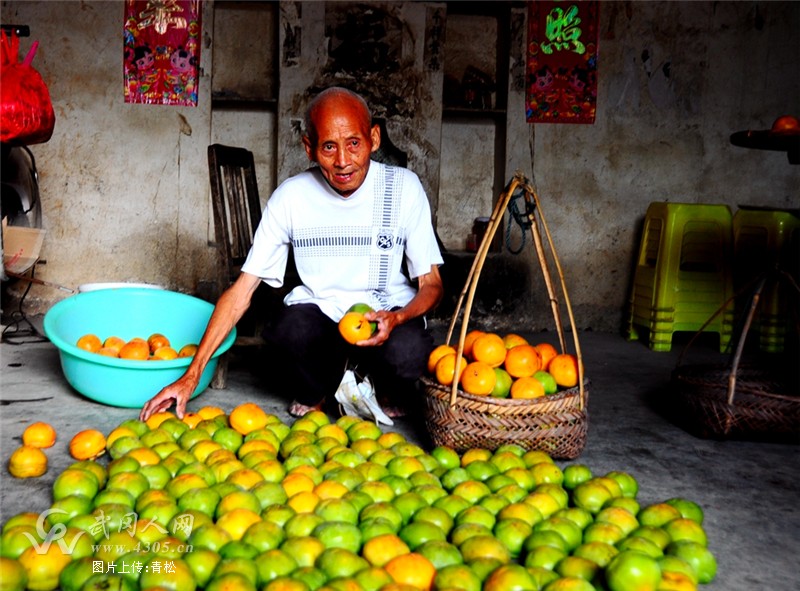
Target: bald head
(334,98)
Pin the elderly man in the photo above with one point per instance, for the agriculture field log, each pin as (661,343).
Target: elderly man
(361,232)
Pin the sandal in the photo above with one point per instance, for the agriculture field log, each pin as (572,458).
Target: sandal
(297,409)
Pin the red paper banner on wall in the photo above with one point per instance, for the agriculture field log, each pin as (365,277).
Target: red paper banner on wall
(162,51)
(562,61)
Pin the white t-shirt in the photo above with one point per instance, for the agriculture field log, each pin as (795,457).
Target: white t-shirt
(347,249)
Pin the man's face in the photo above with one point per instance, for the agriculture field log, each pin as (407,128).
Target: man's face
(343,143)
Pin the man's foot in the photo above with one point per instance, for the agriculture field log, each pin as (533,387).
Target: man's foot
(297,409)
(394,412)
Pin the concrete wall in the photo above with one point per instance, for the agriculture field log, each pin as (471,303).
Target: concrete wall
(332,45)
(732,66)
(124,187)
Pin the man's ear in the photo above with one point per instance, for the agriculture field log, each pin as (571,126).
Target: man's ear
(309,148)
(375,136)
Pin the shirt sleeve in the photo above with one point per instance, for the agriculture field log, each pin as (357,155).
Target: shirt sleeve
(270,251)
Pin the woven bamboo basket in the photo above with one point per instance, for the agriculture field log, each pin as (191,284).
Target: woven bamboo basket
(754,409)
(741,400)
(556,424)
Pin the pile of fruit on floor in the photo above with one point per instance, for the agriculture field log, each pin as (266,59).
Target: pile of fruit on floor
(245,501)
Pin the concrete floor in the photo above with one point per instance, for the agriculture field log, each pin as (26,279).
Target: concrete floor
(749,490)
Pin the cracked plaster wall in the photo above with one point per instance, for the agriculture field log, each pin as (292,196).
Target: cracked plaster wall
(125,187)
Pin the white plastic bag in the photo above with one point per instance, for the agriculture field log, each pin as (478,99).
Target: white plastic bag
(358,399)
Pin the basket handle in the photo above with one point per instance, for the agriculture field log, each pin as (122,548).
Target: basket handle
(474,275)
(468,292)
(719,311)
(750,314)
(553,300)
(740,345)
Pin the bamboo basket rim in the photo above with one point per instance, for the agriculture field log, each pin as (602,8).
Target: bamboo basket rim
(534,215)
(510,402)
(703,374)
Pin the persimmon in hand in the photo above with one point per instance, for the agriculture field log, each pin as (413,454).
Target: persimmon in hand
(354,326)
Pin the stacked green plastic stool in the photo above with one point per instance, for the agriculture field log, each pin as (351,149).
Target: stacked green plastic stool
(683,274)
(767,241)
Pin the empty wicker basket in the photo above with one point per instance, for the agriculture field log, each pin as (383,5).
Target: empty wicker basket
(741,400)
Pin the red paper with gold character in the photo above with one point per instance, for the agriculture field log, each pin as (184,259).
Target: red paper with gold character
(562,62)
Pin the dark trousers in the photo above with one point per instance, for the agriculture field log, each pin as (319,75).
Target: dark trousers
(311,356)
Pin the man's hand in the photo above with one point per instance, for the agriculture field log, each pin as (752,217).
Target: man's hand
(178,392)
(428,296)
(386,322)
(230,307)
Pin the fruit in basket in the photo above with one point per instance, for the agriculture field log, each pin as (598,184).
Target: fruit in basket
(446,368)
(469,341)
(437,353)
(502,383)
(548,381)
(522,361)
(27,462)
(564,368)
(478,378)
(489,348)
(512,340)
(546,352)
(39,434)
(526,388)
